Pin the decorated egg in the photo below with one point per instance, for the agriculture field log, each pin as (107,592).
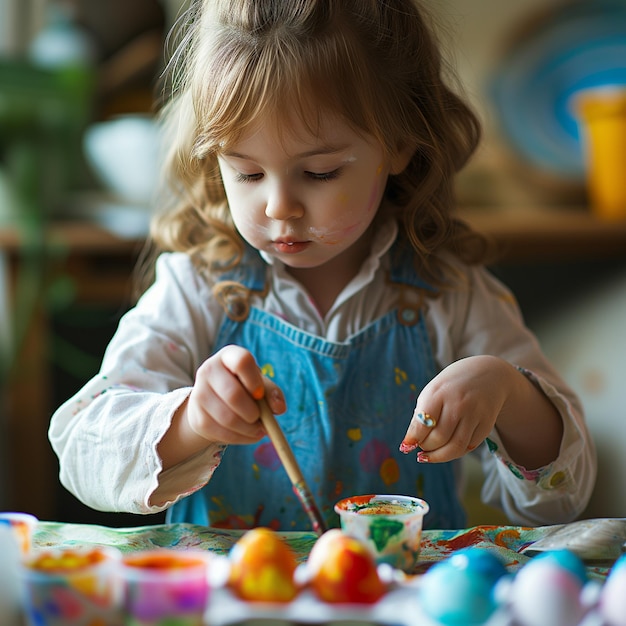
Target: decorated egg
(547,591)
(613,595)
(262,567)
(341,569)
(461,589)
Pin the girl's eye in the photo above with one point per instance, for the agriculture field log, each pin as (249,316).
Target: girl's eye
(247,178)
(324,176)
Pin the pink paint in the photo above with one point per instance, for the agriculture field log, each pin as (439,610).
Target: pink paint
(165,585)
(266,456)
(373,455)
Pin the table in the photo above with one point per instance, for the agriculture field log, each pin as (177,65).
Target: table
(398,607)
(509,542)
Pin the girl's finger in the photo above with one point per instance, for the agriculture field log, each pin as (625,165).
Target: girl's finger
(420,427)
(462,441)
(242,364)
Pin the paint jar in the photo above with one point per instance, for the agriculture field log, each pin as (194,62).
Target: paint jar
(72,586)
(11,592)
(164,587)
(22,526)
(601,115)
(390,525)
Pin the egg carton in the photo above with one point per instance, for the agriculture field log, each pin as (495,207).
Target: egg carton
(399,607)
(551,592)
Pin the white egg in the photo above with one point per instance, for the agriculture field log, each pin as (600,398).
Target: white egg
(544,594)
(613,596)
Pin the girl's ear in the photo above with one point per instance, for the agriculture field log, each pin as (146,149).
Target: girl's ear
(401,159)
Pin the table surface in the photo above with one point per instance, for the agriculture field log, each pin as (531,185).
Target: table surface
(509,542)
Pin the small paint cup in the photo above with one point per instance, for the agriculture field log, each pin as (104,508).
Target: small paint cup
(72,586)
(164,587)
(390,525)
(11,592)
(601,115)
(23,526)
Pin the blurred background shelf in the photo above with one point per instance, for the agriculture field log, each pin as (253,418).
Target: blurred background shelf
(548,233)
(521,233)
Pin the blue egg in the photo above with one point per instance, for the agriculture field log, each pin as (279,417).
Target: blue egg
(567,560)
(460,590)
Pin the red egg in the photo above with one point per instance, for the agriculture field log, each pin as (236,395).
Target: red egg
(341,569)
(263,567)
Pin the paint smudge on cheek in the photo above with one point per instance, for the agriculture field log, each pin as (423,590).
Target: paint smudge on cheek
(375,196)
(325,235)
(335,236)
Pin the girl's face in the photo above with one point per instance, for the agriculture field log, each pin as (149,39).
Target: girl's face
(305,199)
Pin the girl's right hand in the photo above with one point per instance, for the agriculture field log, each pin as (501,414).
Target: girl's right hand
(222,406)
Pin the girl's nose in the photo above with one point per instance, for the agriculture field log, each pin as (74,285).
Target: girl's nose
(282,204)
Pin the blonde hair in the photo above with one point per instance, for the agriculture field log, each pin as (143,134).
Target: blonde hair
(374,62)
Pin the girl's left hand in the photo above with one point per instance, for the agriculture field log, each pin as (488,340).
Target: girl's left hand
(458,408)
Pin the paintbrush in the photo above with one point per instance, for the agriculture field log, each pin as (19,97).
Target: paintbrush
(285,454)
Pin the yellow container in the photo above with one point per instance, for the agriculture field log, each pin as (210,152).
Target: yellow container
(601,115)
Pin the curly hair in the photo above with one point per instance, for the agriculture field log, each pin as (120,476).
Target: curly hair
(376,63)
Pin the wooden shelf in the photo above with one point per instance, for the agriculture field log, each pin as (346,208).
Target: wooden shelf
(548,234)
(81,237)
(522,234)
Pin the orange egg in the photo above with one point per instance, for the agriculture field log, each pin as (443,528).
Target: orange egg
(341,569)
(262,567)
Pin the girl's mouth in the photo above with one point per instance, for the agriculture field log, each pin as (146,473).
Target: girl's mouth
(288,246)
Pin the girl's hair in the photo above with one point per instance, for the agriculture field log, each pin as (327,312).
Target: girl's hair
(374,62)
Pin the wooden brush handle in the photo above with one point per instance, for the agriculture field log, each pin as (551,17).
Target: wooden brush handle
(276,435)
(287,458)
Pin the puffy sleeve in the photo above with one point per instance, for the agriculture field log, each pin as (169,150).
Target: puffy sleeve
(482,317)
(106,435)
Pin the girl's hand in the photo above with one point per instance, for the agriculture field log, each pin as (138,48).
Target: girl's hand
(222,406)
(463,402)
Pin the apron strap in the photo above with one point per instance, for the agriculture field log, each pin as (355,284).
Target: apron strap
(235,289)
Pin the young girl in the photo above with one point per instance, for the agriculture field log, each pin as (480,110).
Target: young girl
(311,257)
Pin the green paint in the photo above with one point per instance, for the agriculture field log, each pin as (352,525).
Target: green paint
(382,530)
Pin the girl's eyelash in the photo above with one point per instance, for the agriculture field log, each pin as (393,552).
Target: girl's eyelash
(321,176)
(247,178)
(325,176)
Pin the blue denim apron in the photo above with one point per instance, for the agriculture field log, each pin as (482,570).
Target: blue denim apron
(348,407)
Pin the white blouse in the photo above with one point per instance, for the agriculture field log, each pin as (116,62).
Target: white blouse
(113,424)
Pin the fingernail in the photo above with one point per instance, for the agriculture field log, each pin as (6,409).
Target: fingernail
(408,446)
(422,457)
(277,398)
(259,392)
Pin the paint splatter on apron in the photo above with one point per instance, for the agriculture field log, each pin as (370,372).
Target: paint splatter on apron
(348,407)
